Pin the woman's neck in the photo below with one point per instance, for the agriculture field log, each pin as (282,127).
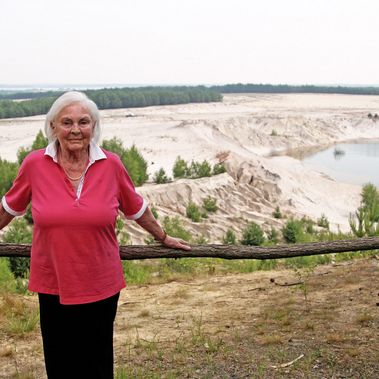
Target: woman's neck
(73,157)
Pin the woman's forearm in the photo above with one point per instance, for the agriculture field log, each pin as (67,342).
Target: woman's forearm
(148,222)
(5,217)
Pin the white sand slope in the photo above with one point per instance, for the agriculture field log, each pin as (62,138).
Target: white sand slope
(247,129)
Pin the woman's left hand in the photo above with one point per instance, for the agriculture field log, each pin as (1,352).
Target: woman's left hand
(176,243)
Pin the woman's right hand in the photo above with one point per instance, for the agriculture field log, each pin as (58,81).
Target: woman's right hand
(176,243)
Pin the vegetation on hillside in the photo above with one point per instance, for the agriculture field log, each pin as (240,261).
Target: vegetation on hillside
(364,222)
(195,169)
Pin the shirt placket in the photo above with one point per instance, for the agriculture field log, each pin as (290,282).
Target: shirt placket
(81,183)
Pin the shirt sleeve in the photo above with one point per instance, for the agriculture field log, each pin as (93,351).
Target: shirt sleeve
(19,196)
(132,204)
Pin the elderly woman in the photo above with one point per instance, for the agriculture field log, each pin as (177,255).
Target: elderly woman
(77,189)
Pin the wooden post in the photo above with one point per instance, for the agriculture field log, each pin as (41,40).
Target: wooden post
(224,251)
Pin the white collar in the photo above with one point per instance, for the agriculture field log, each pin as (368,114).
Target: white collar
(95,152)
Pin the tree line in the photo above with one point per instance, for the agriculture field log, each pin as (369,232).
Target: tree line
(285,88)
(34,103)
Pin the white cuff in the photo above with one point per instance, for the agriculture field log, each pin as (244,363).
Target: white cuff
(137,215)
(9,209)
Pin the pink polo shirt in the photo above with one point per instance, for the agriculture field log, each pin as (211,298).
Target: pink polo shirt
(75,253)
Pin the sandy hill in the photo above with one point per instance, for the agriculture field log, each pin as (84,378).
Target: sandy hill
(251,131)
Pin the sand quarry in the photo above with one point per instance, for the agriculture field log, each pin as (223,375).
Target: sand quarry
(248,132)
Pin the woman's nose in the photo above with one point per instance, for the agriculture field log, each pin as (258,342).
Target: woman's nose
(75,128)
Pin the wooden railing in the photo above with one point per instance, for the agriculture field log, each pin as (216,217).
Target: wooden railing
(224,251)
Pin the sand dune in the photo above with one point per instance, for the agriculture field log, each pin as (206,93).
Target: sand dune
(248,129)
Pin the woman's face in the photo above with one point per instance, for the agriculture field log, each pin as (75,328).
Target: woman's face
(73,127)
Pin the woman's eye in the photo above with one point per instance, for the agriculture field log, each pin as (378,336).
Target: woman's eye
(84,123)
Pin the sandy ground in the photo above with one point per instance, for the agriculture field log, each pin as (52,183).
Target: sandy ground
(248,130)
(238,326)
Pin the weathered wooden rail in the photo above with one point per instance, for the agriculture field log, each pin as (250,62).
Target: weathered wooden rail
(224,251)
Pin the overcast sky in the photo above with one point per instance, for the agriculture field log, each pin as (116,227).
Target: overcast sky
(189,42)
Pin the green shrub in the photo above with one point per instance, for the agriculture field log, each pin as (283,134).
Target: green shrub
(277,213)
(154,212)
(204,169)
(195,169)
(370,202)
(160,177)
(218,168)
(18,232)
(210,204)
(192,170)
(229,238)
(193,212)
(323,222)
(365,220)
(180,168)
(39,142)
(292,231)
(308,225)
(201,240)
(174,228)
(7,282)
(136,165)
(273,235)
(114,145)
(28,215)
(198,170)
(123,237)
(131,158)
(252,235)
(8,173)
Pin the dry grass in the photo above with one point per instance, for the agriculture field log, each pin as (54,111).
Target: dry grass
(227,331)
(364,319)
(19,316)
(224,331)
(7,351)
(270,339)
(144,313)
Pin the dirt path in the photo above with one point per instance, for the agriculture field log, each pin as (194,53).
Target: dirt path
(239,326)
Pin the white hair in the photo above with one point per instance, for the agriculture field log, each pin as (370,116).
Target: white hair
(69,98)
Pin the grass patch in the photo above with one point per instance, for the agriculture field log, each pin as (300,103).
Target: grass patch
(364,319)
(17,316)
(270,339)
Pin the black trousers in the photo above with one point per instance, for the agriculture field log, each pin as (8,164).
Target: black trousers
(78,339)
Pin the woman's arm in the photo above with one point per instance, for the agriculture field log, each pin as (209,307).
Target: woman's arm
(150,224)
(5,217)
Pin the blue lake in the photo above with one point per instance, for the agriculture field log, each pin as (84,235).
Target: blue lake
(356,163)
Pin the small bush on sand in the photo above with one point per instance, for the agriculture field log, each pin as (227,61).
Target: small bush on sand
(252,235)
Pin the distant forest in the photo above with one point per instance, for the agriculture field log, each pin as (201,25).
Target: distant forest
(21,104)
(284,88)
(24,104)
